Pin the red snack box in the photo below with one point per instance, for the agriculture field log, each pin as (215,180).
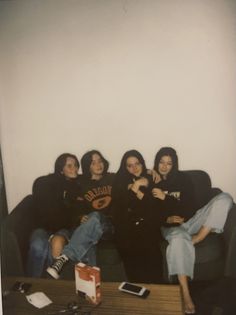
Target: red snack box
(88,282)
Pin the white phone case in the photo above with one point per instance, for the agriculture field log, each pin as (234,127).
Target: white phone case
(133,289)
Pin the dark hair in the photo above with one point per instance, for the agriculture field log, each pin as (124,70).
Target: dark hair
(87,160)
(123,167)
(61,162)
(167,151)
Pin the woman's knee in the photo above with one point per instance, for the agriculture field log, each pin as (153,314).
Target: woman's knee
(228,200)
(58,240)
(178,234)
(221,203)
(94,215)
(180,242)
(39,234)
(224,198)
(38,242)
(94,219)
(38,246)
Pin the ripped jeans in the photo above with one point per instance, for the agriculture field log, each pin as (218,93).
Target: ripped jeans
(82,245)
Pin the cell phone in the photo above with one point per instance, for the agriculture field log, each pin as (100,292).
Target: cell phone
(22,287)
(131,288)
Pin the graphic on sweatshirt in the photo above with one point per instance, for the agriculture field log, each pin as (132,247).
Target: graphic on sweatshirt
(175,194)
(99,197)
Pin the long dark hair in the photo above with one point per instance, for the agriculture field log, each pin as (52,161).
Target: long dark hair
(123,167)
(61,162)
(86,161)
(167,151)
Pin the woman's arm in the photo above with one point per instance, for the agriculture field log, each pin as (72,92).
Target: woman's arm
(158,193)
(155,176)
(135,187)
(174,220)
(177,200)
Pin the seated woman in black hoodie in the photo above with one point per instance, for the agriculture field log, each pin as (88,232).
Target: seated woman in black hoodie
(136,223)
(94,214)
(55,213)
(183,225)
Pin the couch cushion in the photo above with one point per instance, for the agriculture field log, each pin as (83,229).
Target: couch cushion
(208,271)
(210,249)
(107,253)
(201,186)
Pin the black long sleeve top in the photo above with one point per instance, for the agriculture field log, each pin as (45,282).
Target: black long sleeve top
(55,202)
(179,199)
(134,220)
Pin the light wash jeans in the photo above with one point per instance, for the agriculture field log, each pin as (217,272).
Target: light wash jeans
(180,253)
(82,245)
(39,255)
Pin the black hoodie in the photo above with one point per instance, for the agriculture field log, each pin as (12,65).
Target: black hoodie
(134,219)
(55,204)
(179,200)
(96,194)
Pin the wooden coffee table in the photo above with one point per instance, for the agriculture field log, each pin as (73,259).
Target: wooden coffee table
(163,299)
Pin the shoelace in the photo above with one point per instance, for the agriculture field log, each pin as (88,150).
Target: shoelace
(59,263)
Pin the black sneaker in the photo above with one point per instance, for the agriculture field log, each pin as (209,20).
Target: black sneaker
(55,269)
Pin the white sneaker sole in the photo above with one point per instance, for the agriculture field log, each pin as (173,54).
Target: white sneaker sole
(53,273)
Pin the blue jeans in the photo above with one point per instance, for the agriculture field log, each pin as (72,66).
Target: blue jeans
(82,245)
(39,255)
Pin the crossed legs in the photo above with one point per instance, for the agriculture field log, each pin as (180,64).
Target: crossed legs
(181,252)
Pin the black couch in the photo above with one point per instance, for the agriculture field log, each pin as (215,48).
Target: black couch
(215,256)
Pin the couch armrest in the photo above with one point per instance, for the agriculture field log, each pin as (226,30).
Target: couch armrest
(11,258)
(230,241)
(215,191)
(15,232)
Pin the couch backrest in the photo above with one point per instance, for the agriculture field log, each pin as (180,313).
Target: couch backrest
(201,185)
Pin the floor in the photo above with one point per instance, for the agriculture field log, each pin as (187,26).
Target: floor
(215,298)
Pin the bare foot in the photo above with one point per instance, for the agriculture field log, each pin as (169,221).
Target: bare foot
(189,306)
(201,235)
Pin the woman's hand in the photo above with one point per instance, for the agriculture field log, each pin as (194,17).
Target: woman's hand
(142,182)
(135,187)
(158,193)
(175,219)
(138,183)
(84,219)
(79,198)
(155,176)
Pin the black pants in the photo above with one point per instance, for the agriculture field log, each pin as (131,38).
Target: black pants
(143,266)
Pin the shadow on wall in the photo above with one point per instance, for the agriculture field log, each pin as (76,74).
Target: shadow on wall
(3,200)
